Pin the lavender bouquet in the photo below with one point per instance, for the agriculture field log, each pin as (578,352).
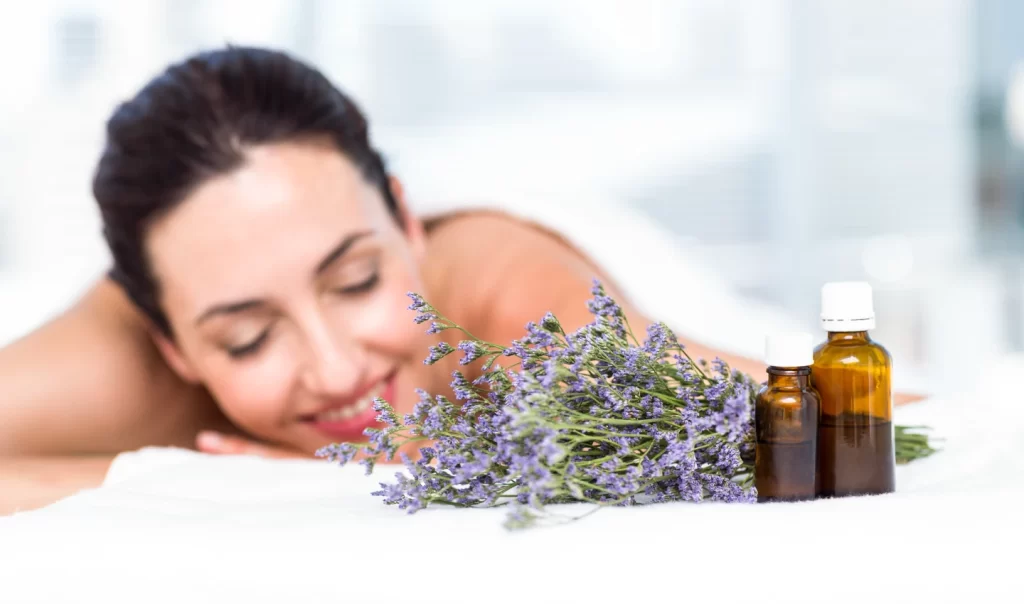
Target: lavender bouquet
(589,416)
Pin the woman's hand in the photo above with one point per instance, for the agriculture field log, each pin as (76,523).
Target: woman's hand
(223,444)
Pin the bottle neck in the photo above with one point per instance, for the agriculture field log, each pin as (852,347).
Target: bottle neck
(789,377)
(849,336)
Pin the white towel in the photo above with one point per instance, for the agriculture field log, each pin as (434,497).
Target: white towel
(178,526)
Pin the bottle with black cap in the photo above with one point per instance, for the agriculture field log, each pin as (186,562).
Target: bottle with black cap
(853,375)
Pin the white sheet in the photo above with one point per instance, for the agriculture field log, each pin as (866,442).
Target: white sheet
(178,526)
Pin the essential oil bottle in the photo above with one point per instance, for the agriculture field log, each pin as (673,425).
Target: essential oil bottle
(786,422)
(853,375)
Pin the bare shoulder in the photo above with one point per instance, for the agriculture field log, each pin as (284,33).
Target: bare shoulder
(91,381)
(499,235)
(500,272)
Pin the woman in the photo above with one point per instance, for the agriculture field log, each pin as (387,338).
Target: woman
(262,256)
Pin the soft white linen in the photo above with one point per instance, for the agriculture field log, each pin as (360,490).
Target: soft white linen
(177,526)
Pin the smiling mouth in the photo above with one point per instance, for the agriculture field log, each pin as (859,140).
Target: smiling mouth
(349,421)
(352,410)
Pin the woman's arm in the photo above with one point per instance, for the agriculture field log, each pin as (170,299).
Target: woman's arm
(91,382)
(82,388)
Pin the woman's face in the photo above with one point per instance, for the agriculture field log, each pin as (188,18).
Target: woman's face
(284,282)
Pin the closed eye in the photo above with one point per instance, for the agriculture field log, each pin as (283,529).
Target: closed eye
(238,352)
(359,288)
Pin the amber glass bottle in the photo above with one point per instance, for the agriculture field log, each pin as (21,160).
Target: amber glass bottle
(853,375)
(786,422)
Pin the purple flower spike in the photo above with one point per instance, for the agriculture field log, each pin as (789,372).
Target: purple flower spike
(438,352)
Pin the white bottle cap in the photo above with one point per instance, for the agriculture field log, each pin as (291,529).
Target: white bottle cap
(847,306)
(789,349)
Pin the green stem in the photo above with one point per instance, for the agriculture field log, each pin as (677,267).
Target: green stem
(589,430)
(665,399)
(611,421)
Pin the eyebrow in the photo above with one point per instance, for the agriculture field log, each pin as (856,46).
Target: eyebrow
(328,260)
(339,250)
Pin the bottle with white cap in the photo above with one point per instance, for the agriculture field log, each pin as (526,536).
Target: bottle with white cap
(786,422)
(853,375)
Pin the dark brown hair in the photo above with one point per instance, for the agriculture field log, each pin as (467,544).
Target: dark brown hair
(194,121)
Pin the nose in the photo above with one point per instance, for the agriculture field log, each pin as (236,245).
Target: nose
(334,364)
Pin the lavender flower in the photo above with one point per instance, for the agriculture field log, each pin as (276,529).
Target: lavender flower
(385,414)
(425,311)
(539,336)
(550,323)
(517,349)
(341,453)
(606,310)
(418,303)
(472,350)
(658,338)
(591,415)
(461,387)
(550,373)
(380,443)
(601,304)
(438,352)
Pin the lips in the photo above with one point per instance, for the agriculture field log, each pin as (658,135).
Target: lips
(347,422)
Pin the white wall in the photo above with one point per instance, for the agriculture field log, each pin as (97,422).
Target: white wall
(800,141)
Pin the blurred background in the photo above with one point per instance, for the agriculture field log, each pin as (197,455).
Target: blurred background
(790,142)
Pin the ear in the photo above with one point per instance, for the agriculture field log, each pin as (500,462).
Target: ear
(411,224)
(173,356)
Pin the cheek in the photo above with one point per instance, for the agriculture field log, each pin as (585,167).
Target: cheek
(385,322)
(253,394)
